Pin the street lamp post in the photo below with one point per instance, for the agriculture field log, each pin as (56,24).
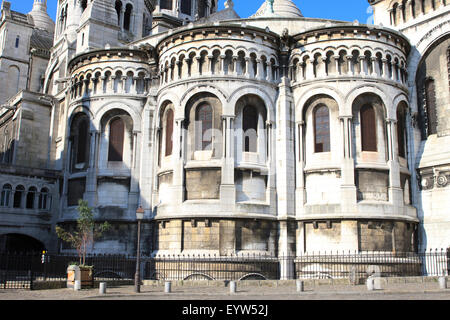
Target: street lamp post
(137,277)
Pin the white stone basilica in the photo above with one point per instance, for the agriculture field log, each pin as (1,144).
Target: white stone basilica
(275,134)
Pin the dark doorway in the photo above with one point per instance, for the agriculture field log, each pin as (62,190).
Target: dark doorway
(20,243)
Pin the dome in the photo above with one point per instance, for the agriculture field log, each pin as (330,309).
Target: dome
(40,16)
(281,9)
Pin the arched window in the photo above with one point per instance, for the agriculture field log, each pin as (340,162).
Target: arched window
(30,198)
(13,80)
(204,120)
(127,17)
(118,10)
(81,143)
(368,129)
(166,4)
(18,194)
(169,132)
(186,7)
(321,129)
(430,106)
(394,14)
(44,199)
(250,128)
(116,136)
(6,195)
(401,132)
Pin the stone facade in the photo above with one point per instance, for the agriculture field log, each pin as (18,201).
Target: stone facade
(275,134)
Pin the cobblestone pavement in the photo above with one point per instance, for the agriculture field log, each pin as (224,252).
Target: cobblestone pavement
(422,291)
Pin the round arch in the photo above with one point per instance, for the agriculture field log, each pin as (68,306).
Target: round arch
(120,105)
(17,242)
(251,90)
(317,91)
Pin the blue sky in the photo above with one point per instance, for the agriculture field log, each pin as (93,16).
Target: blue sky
(348,10)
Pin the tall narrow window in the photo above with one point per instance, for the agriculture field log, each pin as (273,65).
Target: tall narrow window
(18,195)
(401,133)
(368,129)
(204,118)
(322,129)
(44,199)
(166,4)
(169,132)
(119,10)
(127,17)
(394,14)
(17,41)
(6,195)
(430,106)
(186,6)
(81,143)
(250,128)
(30,198)
(116,136)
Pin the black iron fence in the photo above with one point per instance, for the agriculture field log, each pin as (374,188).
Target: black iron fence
(24,271)
(18,271)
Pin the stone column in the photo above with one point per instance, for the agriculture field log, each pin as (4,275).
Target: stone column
(362,60)
(336,63)
(178,160)
(285,155)
(385,68)
(260,70)
(235,65)
(269,71)
(349,65)
(395,190)
(300,192)
(248,71)
(209,65)
(222,64)
(227,187)
(91,178)
(348,187)
(374,66)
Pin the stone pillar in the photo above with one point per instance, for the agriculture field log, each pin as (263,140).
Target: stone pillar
(348,187)
(178,160)
(235,65)
(209,65)
(260,70)
(269,71)
(91,178)
(374,66)
(395,190)
(248,71)
(222,64)
(385,68)
(362,60)
(349,65)
(336,64)
(285,155)
(300,192)
(285,252)
(227,187)
(133,195)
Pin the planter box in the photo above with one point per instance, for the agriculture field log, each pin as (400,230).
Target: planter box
(85,275)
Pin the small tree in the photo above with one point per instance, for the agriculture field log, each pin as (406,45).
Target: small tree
(86,231)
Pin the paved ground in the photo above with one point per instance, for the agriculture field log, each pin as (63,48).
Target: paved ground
(416,291)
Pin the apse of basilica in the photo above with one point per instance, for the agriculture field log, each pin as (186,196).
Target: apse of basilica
(276,134)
